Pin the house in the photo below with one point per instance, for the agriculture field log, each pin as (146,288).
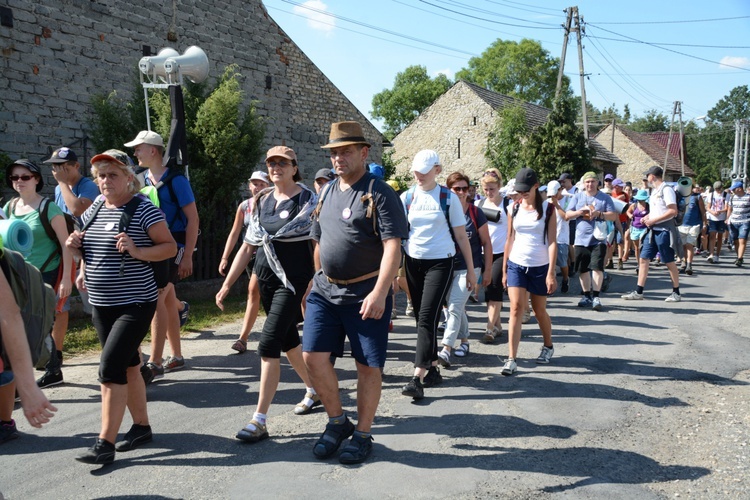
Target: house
(457,125)
(639,151)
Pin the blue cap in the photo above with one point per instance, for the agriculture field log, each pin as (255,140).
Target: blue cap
(735,185)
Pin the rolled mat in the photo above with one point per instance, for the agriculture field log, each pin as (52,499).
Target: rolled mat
(16,235)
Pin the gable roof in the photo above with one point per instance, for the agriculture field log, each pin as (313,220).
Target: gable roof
(603,154)
(655,150)
(535,115)
(663,138)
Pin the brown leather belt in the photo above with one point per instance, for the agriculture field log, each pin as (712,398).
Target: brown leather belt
(353,280)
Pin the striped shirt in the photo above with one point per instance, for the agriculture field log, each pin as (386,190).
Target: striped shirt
(740,209)
(106,285)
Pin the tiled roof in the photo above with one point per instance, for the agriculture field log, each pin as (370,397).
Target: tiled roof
(655,151)
(663,138)
(535,115)
(603,154)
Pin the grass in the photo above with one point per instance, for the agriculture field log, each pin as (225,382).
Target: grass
(204,315)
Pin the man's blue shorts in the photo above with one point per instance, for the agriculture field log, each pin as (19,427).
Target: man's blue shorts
(657,242)
(327,326)
(739,230)
(533,279)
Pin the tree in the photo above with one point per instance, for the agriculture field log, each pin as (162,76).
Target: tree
(734,106)
(505,142)
(652,122)
(413,91)
(559,145)
(519,69)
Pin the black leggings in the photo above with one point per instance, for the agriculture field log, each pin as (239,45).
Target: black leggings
(494,291)
(121,329)
(429,283)
(283,311)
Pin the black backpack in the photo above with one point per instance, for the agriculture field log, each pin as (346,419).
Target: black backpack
(36,300)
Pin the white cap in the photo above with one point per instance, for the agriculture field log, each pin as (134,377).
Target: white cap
(554,187)
(510,188)
(424,161)
(146,137)
(260,176)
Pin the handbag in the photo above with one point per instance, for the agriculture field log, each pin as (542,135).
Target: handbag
(600,230)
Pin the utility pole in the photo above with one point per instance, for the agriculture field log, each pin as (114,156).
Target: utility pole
(566,26)
(572,18)
(676,110)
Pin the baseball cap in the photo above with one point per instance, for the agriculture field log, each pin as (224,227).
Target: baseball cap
(325,173)
(259,176)
(554,187)
(510,188)
(424,161)
(655,170)
(618,182)
(735,185)
(282,151)
(525,179)
(146,137)
(377,170)
(565,176)
(609,177)
(62,155)
(114,155)
(718,185)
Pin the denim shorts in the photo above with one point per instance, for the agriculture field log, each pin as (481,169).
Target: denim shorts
(716,226)
(657,242)
(739,230)
(328,325)
(562,255)
(533,279)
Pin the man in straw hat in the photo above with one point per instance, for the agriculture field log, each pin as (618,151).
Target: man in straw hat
(358,226)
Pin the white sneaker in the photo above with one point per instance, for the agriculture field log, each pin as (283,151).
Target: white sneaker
(409,309)
(526,316)
(545,355)
(596,304)
(673,297)
(510,367)
(632,296)
(710,259)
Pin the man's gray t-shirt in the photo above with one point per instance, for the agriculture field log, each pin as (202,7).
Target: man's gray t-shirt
(348,245)
(585,228)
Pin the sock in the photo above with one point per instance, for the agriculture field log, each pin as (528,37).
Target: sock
(310,390)
(309,401)
(639,289)
(59,355)
(340,420)
(595,293)
(676,290)
(364,435)
(587,294)
(258,417)
(6,422)
(551,346)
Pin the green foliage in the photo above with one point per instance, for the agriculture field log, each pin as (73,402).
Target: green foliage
(734,106)
(559,145)
(391,163)
(652,122)
(413,91)
(521,69)
(116,120)
(505,142)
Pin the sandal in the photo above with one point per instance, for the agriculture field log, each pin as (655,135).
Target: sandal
(357,450)
(332,438)
(489,337)
(240,345)
(259,434)
(303,409)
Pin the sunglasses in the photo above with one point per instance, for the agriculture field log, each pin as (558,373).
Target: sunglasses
(460,189)
(278,163)
(491,174)
(25,178)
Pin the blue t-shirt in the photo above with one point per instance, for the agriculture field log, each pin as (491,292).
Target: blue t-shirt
(585,228)
(85,188)
(172,213)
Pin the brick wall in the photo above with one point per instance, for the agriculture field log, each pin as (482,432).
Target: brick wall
(60,52)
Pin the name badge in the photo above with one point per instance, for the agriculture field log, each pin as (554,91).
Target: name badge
(346,213)
(109,226)
(284,214)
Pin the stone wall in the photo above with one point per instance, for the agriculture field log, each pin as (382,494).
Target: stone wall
(60,52)
(635,160)
(456,125)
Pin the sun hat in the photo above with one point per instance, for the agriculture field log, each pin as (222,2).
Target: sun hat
(28,165)
(345,134)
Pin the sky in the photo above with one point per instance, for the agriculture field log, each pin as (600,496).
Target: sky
(646,54)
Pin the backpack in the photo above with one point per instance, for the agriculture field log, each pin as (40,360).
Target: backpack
(70,225)
(445,203)
(367,200)
(36,300)
(167,181)
(547,217)
(160,268)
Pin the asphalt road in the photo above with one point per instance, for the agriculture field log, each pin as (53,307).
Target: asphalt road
(644,399)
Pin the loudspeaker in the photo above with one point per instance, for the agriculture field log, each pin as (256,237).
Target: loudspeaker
(193,65)
(684,185)
(153,66)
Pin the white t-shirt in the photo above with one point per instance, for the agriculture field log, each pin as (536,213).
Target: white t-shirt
(716,201)
(498,230)
(563,228)
(429,235)
(660,199)
(530,248)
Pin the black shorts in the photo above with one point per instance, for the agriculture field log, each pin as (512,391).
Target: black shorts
(590,258)
(493,291)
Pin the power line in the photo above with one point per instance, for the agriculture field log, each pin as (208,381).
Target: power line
(510,4)
(374,36)
(485,11)
(668,50)
(677,44)
(678,22)
(382,30)
(488,20)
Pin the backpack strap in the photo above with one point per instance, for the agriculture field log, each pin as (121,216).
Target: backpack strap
(94,211)
(323,194)
(473,215)
(547,217)
(44,219)
(369,203)
(409,198)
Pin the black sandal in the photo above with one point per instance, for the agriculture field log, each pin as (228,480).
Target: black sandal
(332,438)
(357,450)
